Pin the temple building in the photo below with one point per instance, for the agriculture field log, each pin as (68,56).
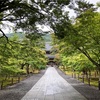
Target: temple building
(48,49)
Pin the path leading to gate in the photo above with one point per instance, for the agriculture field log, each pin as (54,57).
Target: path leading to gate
(52,87)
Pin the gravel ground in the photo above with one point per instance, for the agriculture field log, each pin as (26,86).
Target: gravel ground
(17,91)
(90,92)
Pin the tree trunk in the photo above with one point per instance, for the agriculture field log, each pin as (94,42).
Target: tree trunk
(89,78)
(22,66)
(74,74)
(27,69)
(95,74)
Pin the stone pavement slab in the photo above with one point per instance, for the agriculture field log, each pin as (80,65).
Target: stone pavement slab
(52,87)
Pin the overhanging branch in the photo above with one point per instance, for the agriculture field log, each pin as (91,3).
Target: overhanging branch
(88,56)
(3,35)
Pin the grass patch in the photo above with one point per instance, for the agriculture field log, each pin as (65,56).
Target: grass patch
(93,81)
(36,71)
(68,73)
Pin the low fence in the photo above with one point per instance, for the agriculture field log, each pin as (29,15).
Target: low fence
(90,80)
(10,80)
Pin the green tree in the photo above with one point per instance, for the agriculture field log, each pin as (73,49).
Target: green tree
(84,34)
(21,53)
(26,14)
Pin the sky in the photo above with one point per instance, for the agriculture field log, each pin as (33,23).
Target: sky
(71,12)
(94,1)
(44,28)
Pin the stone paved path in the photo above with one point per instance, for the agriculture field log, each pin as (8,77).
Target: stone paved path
(52,87)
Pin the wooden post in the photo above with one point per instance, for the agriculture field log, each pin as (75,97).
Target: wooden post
(12,81)
(95,74)
(89,78)
(18,78)
(89,81)
(1,85)
(72,75)
(83,78)
(78,76)
(99,81)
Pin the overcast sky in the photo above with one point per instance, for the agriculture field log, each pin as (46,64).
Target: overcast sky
(71,12)
(94,1)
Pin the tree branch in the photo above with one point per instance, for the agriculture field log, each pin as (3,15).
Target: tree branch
(4,35)
(88,56)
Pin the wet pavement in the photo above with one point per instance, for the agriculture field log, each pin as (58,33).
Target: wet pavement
(52,87)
